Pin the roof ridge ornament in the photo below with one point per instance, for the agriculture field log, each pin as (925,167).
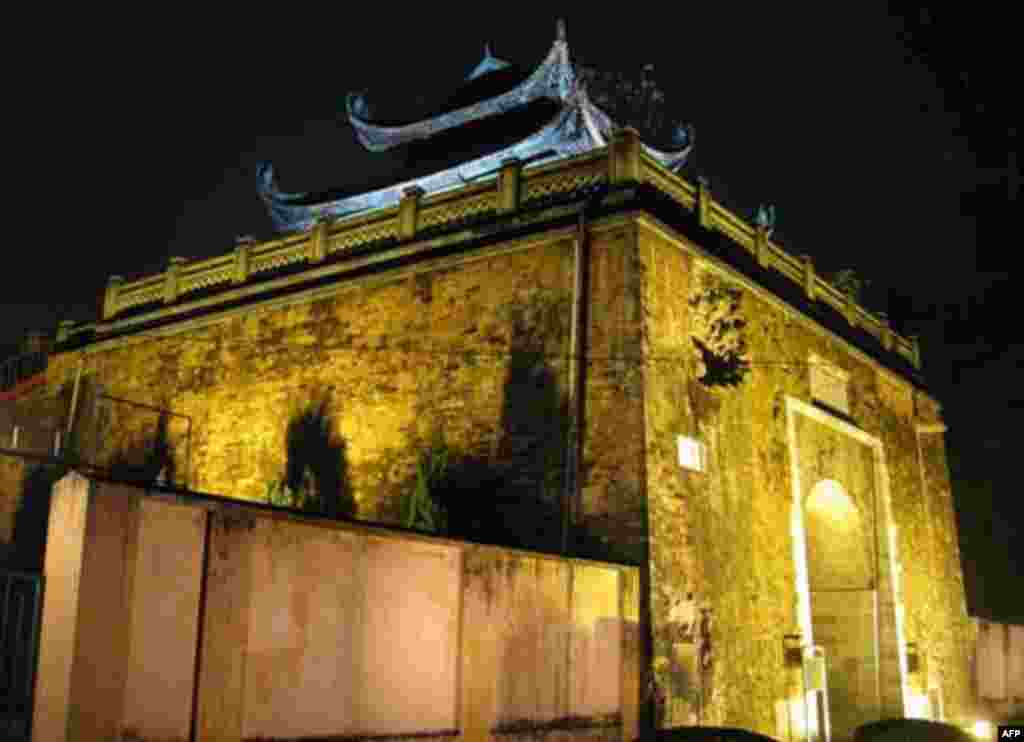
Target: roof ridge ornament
(683,135)
(488,64)
(765,218)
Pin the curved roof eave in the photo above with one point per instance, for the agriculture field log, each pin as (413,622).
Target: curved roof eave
(671,159)
(553,79)
(579,126)
(566,135)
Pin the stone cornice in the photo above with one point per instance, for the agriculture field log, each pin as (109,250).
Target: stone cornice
(333,249)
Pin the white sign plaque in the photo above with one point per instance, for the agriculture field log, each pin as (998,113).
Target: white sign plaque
(691,453)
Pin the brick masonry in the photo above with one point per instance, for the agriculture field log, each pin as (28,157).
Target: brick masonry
(476,348)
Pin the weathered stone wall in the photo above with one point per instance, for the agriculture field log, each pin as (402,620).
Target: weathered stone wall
(715,546)
(478,348)
(37,419)
(723,540)
(613,506)
(472,350)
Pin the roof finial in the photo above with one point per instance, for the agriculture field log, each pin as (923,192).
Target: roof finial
(560,26)
(487,49)
(766,218)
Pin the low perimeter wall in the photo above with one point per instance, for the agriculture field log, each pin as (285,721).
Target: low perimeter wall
(168,618)
(1000,667)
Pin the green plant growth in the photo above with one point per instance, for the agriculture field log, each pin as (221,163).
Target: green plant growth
(281,494)
(718,330)
(850,284)
(419,509)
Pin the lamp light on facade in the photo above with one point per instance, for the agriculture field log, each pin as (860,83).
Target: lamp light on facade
(983,729)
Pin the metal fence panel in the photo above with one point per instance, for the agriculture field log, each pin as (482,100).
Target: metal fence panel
(20,606)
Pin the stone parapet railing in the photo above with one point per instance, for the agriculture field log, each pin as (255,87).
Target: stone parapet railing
(623,161)
(554,178)
(798,269)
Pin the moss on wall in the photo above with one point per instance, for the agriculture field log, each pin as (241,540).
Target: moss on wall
(478,351)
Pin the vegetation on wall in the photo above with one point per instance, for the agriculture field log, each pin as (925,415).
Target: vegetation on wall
(850,284)
(419,509)
(632,100)
(717,332)
(510,490)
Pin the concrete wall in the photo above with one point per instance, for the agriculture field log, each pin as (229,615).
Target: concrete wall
(117,642)
(1000,665)
(300,629)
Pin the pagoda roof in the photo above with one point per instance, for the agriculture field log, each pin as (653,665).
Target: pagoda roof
(546,115)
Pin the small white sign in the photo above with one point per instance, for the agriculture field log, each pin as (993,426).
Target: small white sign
(691,453)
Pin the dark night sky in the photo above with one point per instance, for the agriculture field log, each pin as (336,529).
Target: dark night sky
(885,139)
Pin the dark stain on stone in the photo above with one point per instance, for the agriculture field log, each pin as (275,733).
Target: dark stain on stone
(423,287)
(565,723)
(322,308)
(451,734)
(704,403)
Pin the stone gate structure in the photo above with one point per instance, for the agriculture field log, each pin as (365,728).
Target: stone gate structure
(547,293)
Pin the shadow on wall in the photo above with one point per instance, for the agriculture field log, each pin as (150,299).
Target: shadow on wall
(146,460)
(316,477)
(33,515)
(514,496)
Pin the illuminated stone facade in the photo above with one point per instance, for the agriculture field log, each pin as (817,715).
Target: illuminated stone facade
(608,293)
(460,342)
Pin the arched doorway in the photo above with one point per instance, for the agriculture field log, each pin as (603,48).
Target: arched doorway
(842,581)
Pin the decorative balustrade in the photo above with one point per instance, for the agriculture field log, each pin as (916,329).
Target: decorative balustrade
(457,205)
(348,238)
(551,179)
(207,273)
(800,271)
(623,161)
(676,188)
(143,291)
(275,255)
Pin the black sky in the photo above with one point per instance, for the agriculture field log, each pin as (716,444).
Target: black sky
(885,138)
